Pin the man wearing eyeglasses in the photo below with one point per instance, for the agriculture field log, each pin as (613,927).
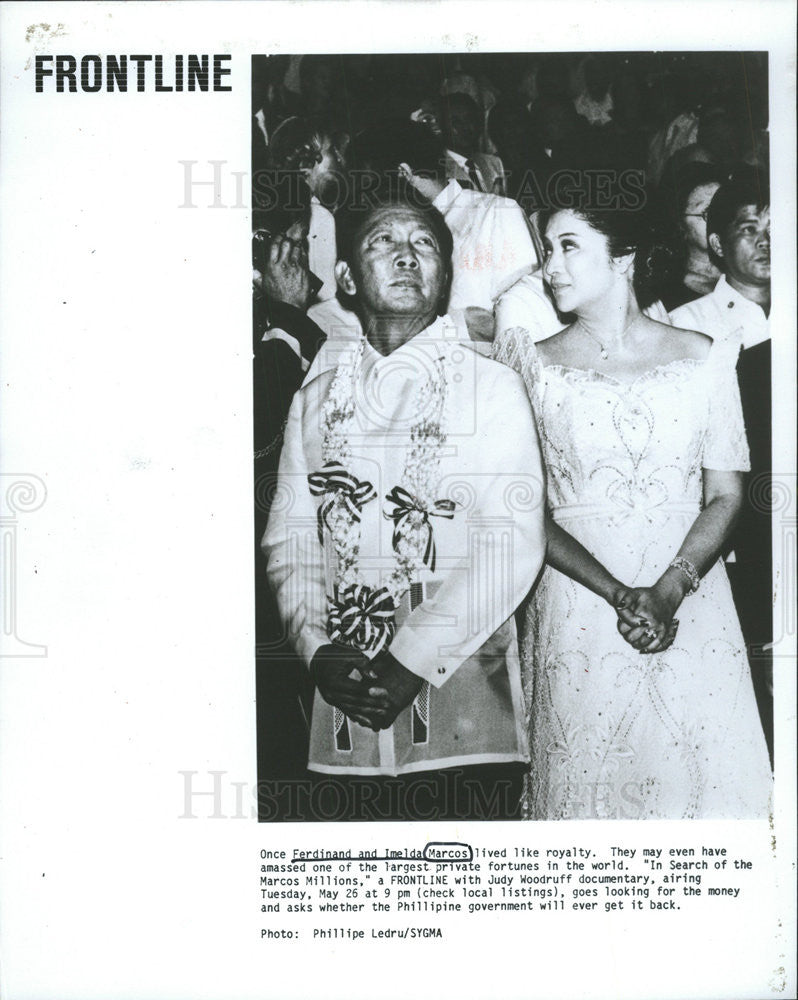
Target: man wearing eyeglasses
(738,232)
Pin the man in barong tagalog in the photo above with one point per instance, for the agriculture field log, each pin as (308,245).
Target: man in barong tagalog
(406,529)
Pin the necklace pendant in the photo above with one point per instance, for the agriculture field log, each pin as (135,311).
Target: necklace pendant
(604,355)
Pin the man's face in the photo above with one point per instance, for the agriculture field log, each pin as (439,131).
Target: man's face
(398,267)
(463,130)
(745,246)
(694,220)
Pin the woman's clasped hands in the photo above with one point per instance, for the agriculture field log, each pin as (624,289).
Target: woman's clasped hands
(646,616)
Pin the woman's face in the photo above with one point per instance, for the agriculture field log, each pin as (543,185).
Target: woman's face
(578,265)
(694,219)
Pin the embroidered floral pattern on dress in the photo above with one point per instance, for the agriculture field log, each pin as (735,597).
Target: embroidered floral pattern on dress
(614,734)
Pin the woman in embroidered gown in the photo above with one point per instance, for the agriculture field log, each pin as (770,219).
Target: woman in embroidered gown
(643,439)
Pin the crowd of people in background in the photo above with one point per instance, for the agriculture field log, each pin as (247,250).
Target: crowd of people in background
(628,110)
(659,130)
(496,143)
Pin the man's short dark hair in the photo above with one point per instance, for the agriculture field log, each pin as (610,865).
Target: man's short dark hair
(747,187)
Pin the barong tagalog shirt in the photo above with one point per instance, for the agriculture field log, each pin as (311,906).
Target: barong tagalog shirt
(725,315)
(441,460)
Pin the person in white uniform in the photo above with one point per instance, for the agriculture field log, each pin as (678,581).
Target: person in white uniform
(737,312)
(406,531)
(738,233)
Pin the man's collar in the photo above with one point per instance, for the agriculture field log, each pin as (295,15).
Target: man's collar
(728,294)
(441,330)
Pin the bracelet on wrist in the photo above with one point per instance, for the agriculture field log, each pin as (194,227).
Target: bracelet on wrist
(687,569)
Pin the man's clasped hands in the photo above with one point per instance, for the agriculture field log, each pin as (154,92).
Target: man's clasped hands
(372,692)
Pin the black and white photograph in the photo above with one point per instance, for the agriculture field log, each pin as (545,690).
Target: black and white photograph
(397,500)
(512,435)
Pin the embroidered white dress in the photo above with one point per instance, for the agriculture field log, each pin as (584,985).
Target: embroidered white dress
(615,733)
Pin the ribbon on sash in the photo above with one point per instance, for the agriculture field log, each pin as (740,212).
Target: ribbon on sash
(362,617)
(334,482)
(407,508)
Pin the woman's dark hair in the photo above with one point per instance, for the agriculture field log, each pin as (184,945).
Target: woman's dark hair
(629,231)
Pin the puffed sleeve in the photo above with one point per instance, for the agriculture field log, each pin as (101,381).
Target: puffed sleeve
(516,349)
(725,444)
